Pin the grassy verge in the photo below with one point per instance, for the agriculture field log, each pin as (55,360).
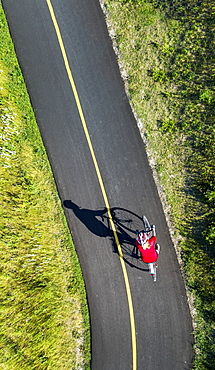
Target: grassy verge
(167,51)
(44,321)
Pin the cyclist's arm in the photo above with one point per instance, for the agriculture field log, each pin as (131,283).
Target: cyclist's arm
(152,230)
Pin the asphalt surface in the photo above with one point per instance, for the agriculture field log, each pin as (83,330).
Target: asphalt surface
(162,319)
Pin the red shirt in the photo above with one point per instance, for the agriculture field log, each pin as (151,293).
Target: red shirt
(148,252)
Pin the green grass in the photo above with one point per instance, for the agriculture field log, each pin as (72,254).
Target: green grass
(44,321)
(167,48)
(166,51)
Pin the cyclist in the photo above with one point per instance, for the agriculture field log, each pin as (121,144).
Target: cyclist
(146,244)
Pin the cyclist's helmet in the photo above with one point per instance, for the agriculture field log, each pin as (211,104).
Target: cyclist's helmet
(143,237)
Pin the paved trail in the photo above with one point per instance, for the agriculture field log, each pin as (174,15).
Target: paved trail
(136,324)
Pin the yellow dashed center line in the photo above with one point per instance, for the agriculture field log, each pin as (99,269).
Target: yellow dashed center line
(128,290)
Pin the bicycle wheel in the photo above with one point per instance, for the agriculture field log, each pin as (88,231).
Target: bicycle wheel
(146,224)
(154,276)
(152,270)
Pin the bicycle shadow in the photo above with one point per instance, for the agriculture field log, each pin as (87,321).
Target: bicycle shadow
(126,223)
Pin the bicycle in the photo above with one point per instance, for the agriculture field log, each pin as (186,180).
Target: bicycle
(149,249)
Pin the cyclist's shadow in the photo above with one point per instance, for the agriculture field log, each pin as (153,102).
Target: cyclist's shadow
(89,218)
(126,223)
